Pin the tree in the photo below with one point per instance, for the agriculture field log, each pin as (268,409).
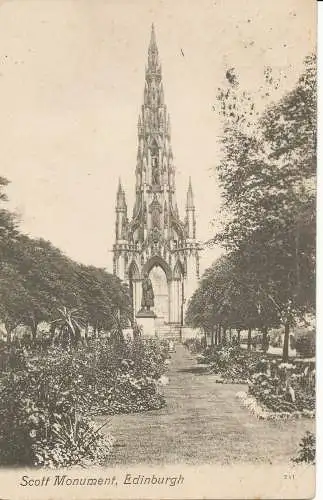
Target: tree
(14,298)
(7,219)
(228,298)
(102,297)
(267,175)
(47,278)
(39,283)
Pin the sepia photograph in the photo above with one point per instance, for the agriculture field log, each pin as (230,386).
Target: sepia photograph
(158,249)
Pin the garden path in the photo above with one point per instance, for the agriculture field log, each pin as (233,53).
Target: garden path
(203,422)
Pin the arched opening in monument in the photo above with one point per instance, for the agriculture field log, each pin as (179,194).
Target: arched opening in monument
(161,293)
(133,274)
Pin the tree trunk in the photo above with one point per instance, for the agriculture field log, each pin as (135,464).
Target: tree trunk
(220,334)
(286,343)
(212,336)
(78,337)
(249,339)
(298,280)
(10,327)
(224,336)
(9,333)
(33,328)
(264,337)
(230,335)
(239,336)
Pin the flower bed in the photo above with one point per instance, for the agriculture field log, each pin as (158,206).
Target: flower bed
(233,365)
(45,406)
(284,389)
(263,413)
(41,423)
(123,380)
(275,389)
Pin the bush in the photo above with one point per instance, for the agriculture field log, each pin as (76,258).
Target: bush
(306,452)
(12,358)
(305,345)
(45,405)
(123,378)
(232,363)
(40,424)
(194,345)
(287,388)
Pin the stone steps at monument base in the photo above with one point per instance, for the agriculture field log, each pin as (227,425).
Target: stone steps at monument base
(169,332)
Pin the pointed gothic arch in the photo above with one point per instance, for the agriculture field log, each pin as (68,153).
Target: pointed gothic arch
(156,260)
(154,142)
(178,271)
(133,271)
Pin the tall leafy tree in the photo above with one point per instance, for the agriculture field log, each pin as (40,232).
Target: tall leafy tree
(267,174)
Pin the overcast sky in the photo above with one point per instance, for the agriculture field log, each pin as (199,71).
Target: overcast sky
(71,86)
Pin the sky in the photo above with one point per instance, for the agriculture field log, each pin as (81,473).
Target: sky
(71,87)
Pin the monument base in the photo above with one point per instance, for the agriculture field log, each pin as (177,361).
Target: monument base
(146,319)
(143,313)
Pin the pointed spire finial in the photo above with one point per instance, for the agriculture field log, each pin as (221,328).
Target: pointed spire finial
(168,128)
(161,94)
(153,43)
(139,125)
(190,198)
(152,50)
(121,196)
(119,185)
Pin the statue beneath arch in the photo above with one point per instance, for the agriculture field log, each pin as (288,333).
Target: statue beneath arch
(147,302)
(147,299)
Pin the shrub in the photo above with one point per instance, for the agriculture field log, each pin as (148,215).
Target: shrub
(305,345)
(45,400)
(123,379)
(12,358)
(194,345)
(233,364)
(306,452)
(286,388)
(40,424)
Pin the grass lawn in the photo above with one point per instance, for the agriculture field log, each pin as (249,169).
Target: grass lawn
(203,422)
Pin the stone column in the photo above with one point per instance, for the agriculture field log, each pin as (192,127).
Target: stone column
(137,295)
(176,302)
(171,300)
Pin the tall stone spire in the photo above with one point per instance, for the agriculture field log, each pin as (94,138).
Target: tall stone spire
(189,197)
(156,235)
(153,43)
(120,203)
(121,214)
(190,213)
(121,198)
(154,169)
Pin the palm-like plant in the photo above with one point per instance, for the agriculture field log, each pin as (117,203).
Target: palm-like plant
(69,322)
(117,327)
(137,330)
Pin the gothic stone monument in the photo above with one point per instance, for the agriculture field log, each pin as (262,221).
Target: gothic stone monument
(155,243)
